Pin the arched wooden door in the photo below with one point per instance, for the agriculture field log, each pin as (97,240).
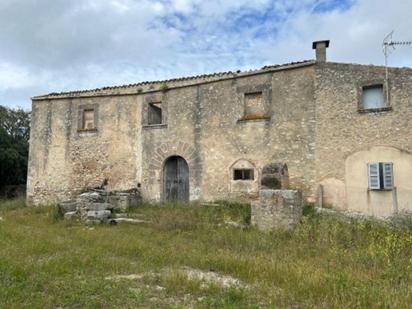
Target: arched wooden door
(176,179)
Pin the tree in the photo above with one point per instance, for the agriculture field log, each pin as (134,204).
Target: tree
(14,145)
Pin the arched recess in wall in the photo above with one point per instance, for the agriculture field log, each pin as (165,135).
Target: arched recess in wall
(379,200)
(244,177)
(275,176)
(153,172)
(175,179)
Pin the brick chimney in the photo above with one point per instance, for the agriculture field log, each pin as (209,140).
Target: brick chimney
(320,47)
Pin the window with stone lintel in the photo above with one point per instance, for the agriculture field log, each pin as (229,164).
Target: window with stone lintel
(87,117)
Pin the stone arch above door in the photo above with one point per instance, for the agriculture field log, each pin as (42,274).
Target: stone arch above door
(152,174)
(170,149)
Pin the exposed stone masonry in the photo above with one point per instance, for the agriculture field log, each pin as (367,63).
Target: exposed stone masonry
(312,121)
(98,205)
(277,209)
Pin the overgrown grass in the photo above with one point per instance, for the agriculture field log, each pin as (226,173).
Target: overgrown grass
(326,262)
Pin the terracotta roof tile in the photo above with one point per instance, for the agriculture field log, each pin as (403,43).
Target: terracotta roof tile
(196,79)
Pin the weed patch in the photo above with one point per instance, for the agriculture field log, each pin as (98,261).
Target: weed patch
(327,261)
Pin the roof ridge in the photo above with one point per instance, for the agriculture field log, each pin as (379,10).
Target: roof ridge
(177,79)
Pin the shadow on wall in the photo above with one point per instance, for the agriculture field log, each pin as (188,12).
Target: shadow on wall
(275,176)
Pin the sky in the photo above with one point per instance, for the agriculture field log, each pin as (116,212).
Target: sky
(62,45)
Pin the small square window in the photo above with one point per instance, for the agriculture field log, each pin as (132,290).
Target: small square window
(154,114)
(88,119)
(254,106)
(243,174)
(373,97)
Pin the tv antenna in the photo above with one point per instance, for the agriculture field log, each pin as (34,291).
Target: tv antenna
(388,46)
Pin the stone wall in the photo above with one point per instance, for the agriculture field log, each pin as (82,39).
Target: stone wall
(308,119)
(203,123)
(64,160)
(342,129)
(277,209)
(205,126)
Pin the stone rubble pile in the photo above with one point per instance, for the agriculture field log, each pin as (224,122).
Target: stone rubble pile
(101,206)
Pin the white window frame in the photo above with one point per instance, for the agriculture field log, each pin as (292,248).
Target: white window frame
(380,176)
(371,88)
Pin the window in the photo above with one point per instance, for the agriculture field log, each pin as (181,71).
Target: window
(154,113)
(88,119)
(254,106)
(380,176)
(243,174)
(373,97)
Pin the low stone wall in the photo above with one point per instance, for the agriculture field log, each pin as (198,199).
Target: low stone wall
(99,205)
(277,209)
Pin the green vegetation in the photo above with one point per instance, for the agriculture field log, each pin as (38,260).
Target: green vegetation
(164,87)
(327,262)
(14,145)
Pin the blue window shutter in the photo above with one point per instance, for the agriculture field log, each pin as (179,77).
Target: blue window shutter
(373,176)
(387,175)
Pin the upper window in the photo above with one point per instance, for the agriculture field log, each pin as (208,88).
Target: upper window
(373,97)
(243,174)
(154,113)
(380,175)
(88,119)
(254,106)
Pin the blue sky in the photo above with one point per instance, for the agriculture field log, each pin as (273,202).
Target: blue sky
(59,45)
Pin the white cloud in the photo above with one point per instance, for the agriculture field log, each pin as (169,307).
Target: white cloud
(55,45)
(183,6)
(12,76)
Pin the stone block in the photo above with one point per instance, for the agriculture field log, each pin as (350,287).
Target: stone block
(98,206)
(67,206)
(277,209)
(70,215)
(91,197)
(127,220)
(98,215)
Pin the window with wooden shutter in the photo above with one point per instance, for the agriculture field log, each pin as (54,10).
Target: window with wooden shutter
(88,119)
(154,114)
(387,175)
(380,175)
(373,176)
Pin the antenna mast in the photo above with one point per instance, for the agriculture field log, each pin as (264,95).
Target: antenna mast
(388,47)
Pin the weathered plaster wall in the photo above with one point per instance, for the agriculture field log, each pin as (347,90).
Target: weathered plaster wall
(177,136)
(342,130)
(204,127)
(376,202)
(64,161)
(201,123)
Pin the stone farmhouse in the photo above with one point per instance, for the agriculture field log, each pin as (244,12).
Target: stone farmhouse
(342,133)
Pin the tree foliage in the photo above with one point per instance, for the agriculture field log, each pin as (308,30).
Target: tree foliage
(14,145)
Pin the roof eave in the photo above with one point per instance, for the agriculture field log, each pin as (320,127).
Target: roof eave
(225,76)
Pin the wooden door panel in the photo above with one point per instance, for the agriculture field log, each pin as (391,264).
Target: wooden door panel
(176,179)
